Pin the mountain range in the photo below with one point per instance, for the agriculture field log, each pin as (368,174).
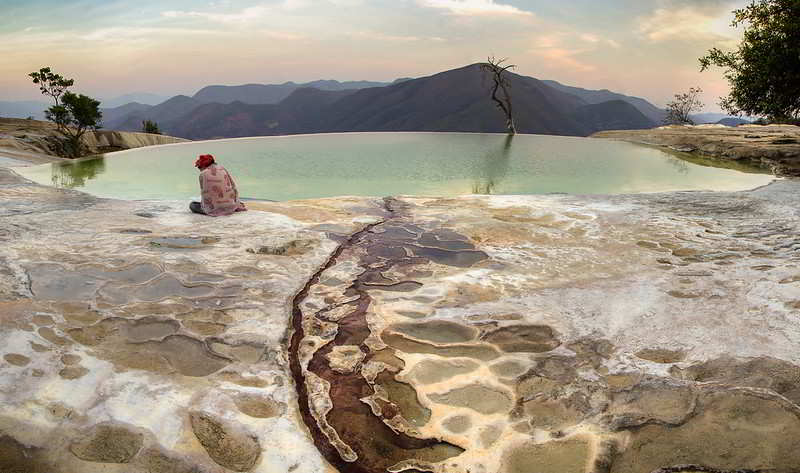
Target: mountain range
(272,93)
(35,108)
(454,100)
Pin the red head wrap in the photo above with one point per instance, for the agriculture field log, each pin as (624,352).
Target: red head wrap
(204,160)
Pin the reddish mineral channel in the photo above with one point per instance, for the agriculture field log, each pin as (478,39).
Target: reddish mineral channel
(398,245)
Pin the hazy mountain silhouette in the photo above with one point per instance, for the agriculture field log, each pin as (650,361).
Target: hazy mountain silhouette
(271,93)
(455,100)
(130,116)
(116,114)
(611,115)
(24,109)
(145,98)
(712,117)
(733,121)
(164,112)
(649,110)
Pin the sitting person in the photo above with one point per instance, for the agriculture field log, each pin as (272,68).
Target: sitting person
(218,192)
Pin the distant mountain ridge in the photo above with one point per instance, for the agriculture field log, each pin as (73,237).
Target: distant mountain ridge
(701,118)
(271,93)
(23,109)
(455,100)
(144,98)
(733,121)
(599,96)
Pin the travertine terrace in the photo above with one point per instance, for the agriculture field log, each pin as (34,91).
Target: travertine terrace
(557,334)
(775,147)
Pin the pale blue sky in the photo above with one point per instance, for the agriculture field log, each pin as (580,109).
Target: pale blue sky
(647,48)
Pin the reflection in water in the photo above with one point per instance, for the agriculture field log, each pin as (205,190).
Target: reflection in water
(680,165)
(75,174)
(495,168)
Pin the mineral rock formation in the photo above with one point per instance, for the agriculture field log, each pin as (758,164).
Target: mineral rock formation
(774,146)
(614,334)
(32,140)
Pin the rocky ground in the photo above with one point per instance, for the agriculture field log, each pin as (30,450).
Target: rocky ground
(775,147)
(33,141)
(556,334)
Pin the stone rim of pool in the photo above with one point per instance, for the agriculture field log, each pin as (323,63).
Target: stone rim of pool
(478,163)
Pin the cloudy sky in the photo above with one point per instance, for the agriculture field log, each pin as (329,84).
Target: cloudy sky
(647,48)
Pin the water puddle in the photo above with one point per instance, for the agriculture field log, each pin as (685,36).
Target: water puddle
(160,288)
(524,338)
(477,397)
(437,331)
(436,371)
(405,398)
(461,259)
(433,240)
(147,329)
(188,356)
(483,352)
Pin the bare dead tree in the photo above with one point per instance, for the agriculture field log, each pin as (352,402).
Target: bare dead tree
(501,84)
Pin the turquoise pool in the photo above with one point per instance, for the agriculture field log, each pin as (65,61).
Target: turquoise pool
(380,164)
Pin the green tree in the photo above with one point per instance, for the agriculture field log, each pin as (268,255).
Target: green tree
(680,109)
(73,114)
(764,71)
(50,83)
(149,126)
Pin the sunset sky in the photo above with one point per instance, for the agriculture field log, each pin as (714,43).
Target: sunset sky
(647,48)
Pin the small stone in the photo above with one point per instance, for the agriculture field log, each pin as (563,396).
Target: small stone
(227,444)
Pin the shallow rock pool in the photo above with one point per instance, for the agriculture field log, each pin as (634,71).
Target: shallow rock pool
(381,164)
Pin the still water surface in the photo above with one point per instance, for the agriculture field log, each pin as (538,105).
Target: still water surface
(380,164)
